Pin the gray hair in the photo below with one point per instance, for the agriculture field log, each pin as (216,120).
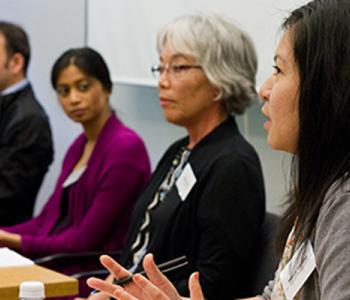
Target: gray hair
(225,53)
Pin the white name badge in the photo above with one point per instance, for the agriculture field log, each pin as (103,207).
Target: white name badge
(298,270)
(185,182)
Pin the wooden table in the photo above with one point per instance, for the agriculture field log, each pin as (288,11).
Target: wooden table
(56,284)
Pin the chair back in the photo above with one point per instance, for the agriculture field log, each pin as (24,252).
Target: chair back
(267,257)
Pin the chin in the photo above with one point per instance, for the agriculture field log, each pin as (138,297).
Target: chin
(279,147)
(81,120)
(171,118)
(273,145)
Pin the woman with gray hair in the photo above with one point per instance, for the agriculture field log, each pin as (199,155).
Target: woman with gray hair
(224,53)
(206,197)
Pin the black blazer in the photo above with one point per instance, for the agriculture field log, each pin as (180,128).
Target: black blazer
(26,152)
(217,225)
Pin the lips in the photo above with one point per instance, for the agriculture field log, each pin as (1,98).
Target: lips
(78,112)
(267,125)
(165,102)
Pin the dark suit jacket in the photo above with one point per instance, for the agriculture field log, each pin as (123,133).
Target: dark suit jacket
(217,225)
(26,151)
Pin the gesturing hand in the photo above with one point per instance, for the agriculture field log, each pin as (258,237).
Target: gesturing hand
(157,286)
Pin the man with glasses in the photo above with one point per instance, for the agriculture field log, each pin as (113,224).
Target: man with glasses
(26,148)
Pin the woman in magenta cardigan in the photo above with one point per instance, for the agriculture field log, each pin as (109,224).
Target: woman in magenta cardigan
(103,172)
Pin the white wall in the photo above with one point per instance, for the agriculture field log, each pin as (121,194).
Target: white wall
(52,26)
(134,24)
(139,108)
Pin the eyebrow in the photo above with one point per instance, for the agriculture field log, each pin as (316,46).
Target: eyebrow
(278,57)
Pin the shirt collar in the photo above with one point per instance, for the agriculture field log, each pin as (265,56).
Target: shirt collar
(14,88)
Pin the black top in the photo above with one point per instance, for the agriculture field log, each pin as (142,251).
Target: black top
(26,151)
(63,217)
(140,246)
(217,225)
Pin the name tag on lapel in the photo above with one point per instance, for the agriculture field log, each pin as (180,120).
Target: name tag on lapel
(185,182)
(298,270)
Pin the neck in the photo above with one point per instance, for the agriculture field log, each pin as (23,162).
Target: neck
(93,128)
(11,82)
(202,128)
(16,78)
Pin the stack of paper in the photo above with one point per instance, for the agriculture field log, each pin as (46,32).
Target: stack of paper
(10,258)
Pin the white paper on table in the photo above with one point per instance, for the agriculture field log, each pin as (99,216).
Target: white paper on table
(10,258)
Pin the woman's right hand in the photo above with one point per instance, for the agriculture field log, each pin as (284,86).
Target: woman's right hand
(157,286)
(151,291)
(97,296)
(106,287)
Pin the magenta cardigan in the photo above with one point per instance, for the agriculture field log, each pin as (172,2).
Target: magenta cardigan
(100,203)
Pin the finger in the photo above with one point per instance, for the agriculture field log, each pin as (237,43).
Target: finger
(158,278)
(196,292)
(117,270)
(99,296)
(149,290)
(123,295)
(102,285)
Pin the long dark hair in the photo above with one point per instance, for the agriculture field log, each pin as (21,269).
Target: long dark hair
(320,34)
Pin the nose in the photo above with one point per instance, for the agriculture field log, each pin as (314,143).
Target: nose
(74,97)
(164,81)
(265,90)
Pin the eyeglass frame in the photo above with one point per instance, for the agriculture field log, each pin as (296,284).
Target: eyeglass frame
(174,70)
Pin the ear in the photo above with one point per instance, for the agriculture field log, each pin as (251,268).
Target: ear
(16,64)
(217,95)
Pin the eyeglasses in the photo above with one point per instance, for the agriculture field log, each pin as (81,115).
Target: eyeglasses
(175,71)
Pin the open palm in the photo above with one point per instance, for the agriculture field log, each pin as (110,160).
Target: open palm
(157,286)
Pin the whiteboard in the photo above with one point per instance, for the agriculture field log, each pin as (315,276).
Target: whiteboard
(124,31)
